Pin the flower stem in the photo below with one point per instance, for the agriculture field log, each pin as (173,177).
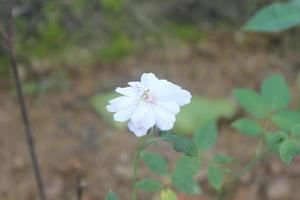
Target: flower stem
(143,143)
(135,167)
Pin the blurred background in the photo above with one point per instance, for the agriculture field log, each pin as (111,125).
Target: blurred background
(73,53)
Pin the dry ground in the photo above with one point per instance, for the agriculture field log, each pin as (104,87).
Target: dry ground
(68,131)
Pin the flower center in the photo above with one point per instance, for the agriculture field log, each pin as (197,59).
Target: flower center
(146,96)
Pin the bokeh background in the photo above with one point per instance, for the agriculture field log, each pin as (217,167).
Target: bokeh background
(73,53)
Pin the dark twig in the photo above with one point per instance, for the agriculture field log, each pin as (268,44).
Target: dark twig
(8,39)
(80,184)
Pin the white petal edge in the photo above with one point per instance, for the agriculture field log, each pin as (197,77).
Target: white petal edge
(127,91)
(170,106)
(139,131)
(150,81)
(120,103)
(164,119)
(124,115)
(171,92)
(144,115)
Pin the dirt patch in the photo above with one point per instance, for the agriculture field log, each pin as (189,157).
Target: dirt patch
(68,131)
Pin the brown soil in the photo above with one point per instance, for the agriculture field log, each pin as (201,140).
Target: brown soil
(68,131)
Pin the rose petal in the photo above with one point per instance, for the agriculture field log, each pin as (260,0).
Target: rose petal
(137,129)
(144,115)
(127,91)
(164,119)
(120,103)
(150,81)
(124,115)
(169,106)
(171,92)
(138,86)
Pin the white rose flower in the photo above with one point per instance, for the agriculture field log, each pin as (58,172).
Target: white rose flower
(150,102)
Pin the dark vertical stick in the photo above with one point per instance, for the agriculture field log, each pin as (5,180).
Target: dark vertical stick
(80,185)
(9,37)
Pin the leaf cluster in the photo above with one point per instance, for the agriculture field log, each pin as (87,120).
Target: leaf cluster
(270,108)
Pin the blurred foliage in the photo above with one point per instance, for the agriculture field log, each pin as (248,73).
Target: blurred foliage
(109,30)
(47,38)
(168,194)
(186,32)
(113,5)
(202,110)
(4,64)
(192,116)
(119,47)
(57,82)
(275,17)
(111,196)
(271,103)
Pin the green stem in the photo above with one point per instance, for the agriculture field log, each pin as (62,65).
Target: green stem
(135,167)
(142,145)
(258,155)
(255,159)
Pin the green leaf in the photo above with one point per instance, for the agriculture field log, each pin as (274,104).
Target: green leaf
(274,139)
(186,184)
(276,92)
(111,196)
(247,127)
(215,177)
(168,194)
(187,166)
(252,102)
(295,2)
(182,144)
(202,110)
(222,159)
(296,131)
(288,150)
(182,177)
(155,162)
(148,185)
(275,17)
(206,137)
(286,119)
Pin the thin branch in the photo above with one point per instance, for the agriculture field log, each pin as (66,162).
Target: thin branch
(9,39)
(80,184)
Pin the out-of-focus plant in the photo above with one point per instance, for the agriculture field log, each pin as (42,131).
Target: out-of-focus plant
(47,38)
(269,120)
(113,5)
(57,82)
(50,32)
(275,17)
(186,32)
(4,63)
(118,47)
